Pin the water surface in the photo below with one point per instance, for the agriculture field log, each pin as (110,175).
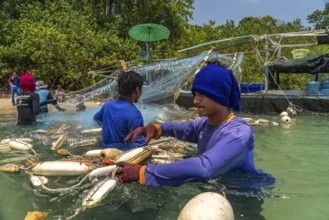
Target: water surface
(296,155)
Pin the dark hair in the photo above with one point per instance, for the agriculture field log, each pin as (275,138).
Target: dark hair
(128,82)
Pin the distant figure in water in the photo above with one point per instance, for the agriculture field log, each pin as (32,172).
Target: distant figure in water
(46,97)
(225,141)
(27,102)
(59,93)
(120,116)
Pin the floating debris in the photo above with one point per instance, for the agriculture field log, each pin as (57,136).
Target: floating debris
(111,153)
(83,143)
(27,140)
(31,161)
(36,215)
(40,131)
(5,147)
(13,159)
(59,142)
(63,152)
(260,122)
(128,155)
(97,193)
(92,131)
(10,168)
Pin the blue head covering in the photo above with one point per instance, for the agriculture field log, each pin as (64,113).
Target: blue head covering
(219,84)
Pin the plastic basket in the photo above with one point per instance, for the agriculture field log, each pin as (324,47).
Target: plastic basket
(248,88)
(299,53)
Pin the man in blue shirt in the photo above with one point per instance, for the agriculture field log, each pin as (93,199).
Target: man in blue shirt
(225,141)
(46,97)
(14,87)
(120,116)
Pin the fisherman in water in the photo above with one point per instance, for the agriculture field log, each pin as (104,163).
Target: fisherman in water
(46,97)
(120,116)
(225,141)
(27,102)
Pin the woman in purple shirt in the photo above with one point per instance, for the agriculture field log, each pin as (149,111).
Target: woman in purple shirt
(225,142)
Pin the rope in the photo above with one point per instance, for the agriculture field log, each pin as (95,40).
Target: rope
(290,104)
(201,65)
(65,189)
(295,107)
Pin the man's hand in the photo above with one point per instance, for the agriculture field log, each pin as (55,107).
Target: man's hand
(127,172)
(148,131)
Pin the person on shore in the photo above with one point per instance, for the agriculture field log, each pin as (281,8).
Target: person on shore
(27,102)
(225,141)
(46,97)
(14,86)
(59,93)
(120,116)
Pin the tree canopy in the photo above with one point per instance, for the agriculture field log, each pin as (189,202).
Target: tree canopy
(61,41)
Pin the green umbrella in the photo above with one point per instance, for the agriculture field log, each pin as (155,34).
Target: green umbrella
(147,33)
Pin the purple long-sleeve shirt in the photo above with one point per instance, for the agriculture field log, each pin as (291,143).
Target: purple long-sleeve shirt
(224,148)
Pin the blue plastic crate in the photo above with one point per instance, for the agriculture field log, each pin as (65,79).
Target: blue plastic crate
(252,87)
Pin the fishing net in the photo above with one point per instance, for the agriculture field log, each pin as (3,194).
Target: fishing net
(163,83)
(163,80)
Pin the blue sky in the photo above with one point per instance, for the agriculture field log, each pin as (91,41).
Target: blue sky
(285,10)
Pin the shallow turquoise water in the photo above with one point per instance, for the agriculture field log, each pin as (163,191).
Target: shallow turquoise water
(296,155)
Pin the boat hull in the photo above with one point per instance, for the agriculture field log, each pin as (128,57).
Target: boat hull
(272,101)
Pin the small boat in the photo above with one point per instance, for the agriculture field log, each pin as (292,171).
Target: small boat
(267,98)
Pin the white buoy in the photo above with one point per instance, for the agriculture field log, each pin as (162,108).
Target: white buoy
(20,145)
(61,168)
(248,119)
(102,171)
(38,180)
(291,111)
(128,155)
(273,123)
(27,140)
(283,114)
(93,153)
(207,206)
(98,192)
(111,153)
(286,119)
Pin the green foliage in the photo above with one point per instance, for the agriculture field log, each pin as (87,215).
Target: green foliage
(61,41)
(320,18)
(64,40)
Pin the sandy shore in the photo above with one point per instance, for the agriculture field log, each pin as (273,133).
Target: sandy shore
(7,108)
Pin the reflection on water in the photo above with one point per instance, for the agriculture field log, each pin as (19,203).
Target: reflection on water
(296,155)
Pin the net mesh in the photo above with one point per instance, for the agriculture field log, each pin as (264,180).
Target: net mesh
(163,80)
